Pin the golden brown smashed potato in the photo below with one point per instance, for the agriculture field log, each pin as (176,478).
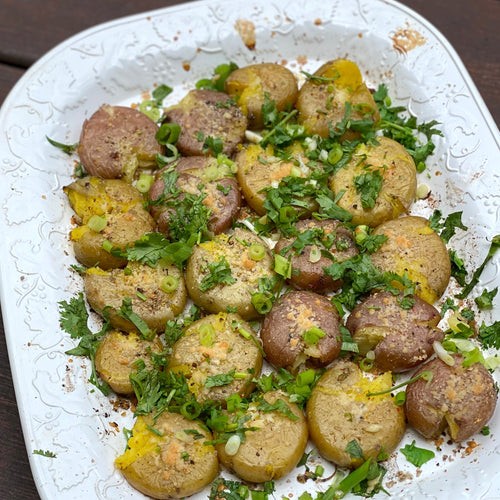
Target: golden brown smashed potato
(340,411)
(233,254)
(218,344)
(324,96)
(252,84)
(276,445)
(117,355)
(156,294)
(386,163)
(414,249)
(167,456)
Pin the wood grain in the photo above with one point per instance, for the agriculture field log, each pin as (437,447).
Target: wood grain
(29,28)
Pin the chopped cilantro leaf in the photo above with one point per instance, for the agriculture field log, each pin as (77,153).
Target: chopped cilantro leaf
(417,456)
(458,270)
(354,449)
(154,247)
(46,453)
(485,300)
(220,379)
(446,228)
(160,92)
(405,129)
(219,273)
(489,335)
(368,186)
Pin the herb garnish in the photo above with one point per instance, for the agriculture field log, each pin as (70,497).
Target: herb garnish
(368,186)
(65,148)
(74,320)
(46,453)
(406,130)
(219,273)
(417,456)
(219,77)
(446,228)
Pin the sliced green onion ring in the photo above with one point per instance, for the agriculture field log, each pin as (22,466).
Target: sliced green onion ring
(97,223)
(169,284)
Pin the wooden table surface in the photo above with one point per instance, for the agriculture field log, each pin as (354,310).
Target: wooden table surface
(29,28)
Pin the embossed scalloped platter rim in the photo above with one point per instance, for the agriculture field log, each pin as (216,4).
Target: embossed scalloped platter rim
(117,61)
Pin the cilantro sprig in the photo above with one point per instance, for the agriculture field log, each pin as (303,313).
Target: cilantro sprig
(395,123)
(219,273)
(74,320)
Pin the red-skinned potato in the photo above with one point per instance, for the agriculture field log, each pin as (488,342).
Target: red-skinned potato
(198,176)
(207,113)
(458,398)
(400,337)
(308,261)
(301,326)
(116,141)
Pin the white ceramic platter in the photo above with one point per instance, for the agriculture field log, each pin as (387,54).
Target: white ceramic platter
(114,63)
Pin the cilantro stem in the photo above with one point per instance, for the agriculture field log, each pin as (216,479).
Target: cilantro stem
(287,118)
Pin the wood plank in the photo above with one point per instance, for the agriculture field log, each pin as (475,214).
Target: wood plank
(29,28)
(16,480)
(472,29)
(9,75)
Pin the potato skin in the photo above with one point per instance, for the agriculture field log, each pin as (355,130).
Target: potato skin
(250,84)
(274,449)
(116,355)
(126,219)
(211,114)
(154,463)
(414,248)
(142,285)
(307,275)
(198,355)
(339,411)
(400,338)
(122,230)
(197,175)
(323,104)
(244,270)
(399,182)
(459,399)
(94,196)
(292,314)
(117,140)
(258,169)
